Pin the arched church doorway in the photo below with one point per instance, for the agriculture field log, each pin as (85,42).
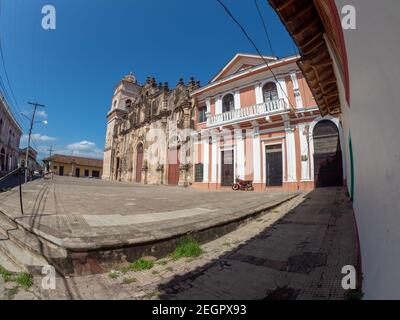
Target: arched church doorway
(139,162)
(328,167)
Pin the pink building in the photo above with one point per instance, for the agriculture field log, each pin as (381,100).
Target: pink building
(265,127)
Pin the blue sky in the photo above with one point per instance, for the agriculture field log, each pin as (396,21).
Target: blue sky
(73,69)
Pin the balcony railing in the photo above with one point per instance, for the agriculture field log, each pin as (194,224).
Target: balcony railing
(248,113)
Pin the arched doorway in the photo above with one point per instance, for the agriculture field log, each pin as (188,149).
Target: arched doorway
(139,162)
(328,167)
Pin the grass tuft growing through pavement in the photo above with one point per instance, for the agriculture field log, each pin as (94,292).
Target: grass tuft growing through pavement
(129,280)
(189,248)
(113,274)
(139,265)
(24,279)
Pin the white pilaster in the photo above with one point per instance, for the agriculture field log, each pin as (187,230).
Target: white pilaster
(206,152)
(259,95)
(282,90)
(291,154)
(305,165)
(296,90)
(218,105)
(256,156)
(208,105)
(237,99)
(240,163)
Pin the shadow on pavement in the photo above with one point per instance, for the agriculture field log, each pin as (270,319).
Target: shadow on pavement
(299,257)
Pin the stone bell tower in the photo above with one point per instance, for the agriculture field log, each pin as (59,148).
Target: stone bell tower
(126,93)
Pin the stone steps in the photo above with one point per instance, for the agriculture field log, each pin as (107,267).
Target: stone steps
(24,259)
(26,250)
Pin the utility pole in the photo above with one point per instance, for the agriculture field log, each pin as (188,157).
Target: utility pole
(50,154)
(35,106)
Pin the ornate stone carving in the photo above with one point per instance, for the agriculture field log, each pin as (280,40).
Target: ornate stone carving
(154,106)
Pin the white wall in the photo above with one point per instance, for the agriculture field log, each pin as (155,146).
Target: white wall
(374,120)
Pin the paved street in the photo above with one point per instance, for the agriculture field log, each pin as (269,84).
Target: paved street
(77,213)
(295,251)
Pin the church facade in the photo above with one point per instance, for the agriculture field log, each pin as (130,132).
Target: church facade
(147,130)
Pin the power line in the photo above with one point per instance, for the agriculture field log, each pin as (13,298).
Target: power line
(3,62)
(265,27)
(256,48)
(6,73)
(13,109)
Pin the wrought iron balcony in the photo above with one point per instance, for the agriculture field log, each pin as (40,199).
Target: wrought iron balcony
(248,113)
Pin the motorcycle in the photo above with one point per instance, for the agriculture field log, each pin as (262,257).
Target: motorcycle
(243,185)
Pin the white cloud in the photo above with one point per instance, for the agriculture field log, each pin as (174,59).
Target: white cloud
(37,137)
(42,114)
(86,149)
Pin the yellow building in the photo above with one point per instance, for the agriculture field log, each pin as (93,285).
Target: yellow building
(74,166)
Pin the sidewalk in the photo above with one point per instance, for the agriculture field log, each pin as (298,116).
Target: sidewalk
(298,257)
(295,251)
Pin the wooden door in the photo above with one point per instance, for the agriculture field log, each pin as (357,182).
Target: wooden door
(274,169)
(173,166)
(227,168)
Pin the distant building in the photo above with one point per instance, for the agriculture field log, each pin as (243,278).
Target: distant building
(32,164)
(74,166)
(10,136)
